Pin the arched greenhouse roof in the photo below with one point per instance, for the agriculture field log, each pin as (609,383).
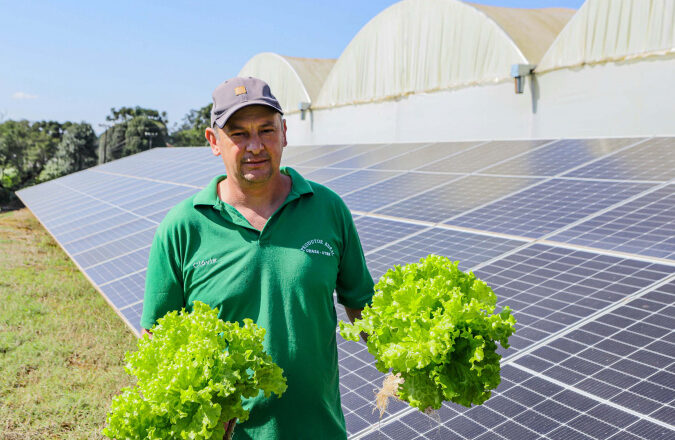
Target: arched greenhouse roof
(613,30)
(418,46)
(292,79)
(533,30)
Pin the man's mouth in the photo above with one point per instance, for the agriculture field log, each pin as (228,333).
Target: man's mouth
(255,161)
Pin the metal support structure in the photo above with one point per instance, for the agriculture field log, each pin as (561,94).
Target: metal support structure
(519,72)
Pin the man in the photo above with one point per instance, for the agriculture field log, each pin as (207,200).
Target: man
(264,243)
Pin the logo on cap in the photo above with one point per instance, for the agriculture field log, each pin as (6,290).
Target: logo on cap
(239,90)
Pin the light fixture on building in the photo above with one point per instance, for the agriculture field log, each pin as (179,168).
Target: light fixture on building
(519,72)
(303,106)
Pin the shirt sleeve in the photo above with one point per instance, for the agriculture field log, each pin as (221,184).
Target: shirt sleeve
(354,284)
(163,281)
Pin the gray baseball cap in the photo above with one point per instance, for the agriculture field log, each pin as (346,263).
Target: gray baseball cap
(237,93)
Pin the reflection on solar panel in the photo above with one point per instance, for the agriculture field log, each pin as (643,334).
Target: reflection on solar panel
(576,235)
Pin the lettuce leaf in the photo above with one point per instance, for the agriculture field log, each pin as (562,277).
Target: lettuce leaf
(436,326)
(191,378)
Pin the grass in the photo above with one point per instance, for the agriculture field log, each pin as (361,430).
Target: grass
(61,345)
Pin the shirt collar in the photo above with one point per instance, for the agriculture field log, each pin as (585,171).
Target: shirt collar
(209,195)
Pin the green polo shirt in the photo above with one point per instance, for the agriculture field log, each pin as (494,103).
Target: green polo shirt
(283,278)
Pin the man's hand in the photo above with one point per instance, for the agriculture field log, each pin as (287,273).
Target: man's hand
(229,429)
(353,314)
(146,332)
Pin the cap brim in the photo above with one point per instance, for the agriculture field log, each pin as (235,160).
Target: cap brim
(222,119)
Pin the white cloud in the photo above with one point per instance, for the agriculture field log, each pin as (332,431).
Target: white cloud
(22,95)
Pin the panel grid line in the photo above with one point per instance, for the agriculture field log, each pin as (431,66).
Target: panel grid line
(148,179)
(131,305)
(122,277)
(100,263)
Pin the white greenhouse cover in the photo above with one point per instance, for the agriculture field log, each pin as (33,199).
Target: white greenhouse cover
(420,46)
(292,80)
(533,30)
(613,30)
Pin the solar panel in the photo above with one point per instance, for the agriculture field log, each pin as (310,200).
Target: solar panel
(651,160)
(424,156)
(560,156)
(126,290)
(377,232)
(643,226)
(299,154)
(576,236)
(474,159)
(358,180)
(548,206)
(378,155)
(337,156)
(322,175)
(551,288)
(392,190)
(468,248)
(456,197)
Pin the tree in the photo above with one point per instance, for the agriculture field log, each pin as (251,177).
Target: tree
(25,149)
(142,134)
(76,151)
(125,114)
(135,129)
(191,132)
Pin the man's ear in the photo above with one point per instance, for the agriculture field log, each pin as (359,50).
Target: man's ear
(212,138)
(283,122)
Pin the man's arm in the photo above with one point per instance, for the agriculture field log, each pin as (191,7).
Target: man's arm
(147,332)
(354,314)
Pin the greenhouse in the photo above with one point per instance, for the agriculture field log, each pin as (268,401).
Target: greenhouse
(294,80)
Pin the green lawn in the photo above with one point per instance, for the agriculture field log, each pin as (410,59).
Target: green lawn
(61,345)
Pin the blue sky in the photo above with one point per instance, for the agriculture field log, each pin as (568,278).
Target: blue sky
(74,60)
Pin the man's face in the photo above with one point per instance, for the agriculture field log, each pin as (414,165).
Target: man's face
(251,144)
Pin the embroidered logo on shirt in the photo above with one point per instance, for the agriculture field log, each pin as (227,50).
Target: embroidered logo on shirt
(318,247)
(204,262)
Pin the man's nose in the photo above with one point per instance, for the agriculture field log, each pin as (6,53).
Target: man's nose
(254,144)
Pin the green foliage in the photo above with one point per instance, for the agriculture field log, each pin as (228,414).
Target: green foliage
(192,376)
(125,114)
(436,326)
(76,151)
(25,149)
(135,129)
(142,134)
(191,132)
(111,142)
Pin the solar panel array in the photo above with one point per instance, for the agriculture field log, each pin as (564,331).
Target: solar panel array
(577,236)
